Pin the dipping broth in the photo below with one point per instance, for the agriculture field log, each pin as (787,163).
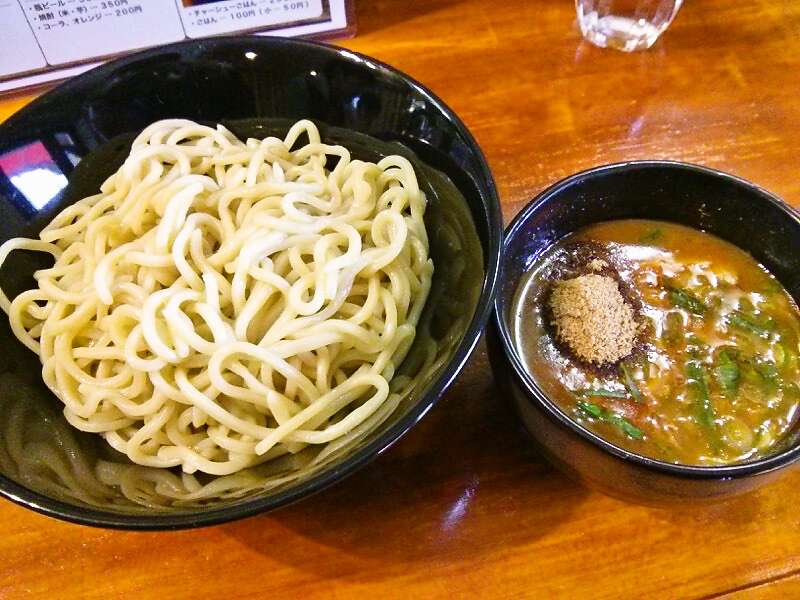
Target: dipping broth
(713,378)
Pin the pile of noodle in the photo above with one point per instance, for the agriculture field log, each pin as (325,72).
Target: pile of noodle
(220,304)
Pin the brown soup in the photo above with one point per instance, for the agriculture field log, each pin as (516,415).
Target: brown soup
(714,377)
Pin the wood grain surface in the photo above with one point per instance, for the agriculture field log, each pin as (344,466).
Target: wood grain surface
(462,506)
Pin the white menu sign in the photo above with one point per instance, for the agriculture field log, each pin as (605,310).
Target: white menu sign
(44,40)
(18,48)
(69,31)
(214,18)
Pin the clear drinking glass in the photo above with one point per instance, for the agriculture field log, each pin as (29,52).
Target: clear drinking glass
(626,25)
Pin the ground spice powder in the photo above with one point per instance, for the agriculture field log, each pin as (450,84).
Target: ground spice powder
(592,318)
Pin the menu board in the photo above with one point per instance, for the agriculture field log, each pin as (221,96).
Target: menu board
(45,40)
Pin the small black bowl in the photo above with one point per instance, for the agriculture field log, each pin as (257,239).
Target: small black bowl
(721,204)
(64,144)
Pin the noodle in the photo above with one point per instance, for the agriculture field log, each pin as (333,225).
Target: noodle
(221,304)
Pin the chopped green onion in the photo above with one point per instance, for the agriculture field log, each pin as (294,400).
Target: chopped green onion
(696,347)
(696,373)
(630,383)
(746,323)
(767,369)
(651,236)
(593,410)
(780,354)
(686,300)
(696,340)
(737,435)
(602,392)
(698,386)
(600,413)
(673,329)
(727,372)
(626,426)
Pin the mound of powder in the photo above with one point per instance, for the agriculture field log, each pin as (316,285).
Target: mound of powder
(592,318)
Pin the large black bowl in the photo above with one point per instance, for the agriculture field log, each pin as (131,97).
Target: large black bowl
(729,207)
(251,80)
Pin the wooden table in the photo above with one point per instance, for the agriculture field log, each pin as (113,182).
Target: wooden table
(462,506)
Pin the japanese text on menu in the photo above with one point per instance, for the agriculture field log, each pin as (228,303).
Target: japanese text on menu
(60,32)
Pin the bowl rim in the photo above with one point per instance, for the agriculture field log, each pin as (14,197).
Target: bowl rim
(193,518)
(535,393)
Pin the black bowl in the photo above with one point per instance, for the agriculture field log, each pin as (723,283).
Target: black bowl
(243,82)
(724,205)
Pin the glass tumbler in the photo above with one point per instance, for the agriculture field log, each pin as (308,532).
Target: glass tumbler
(626,25)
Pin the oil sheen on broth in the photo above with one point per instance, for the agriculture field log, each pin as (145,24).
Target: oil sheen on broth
(714,377)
